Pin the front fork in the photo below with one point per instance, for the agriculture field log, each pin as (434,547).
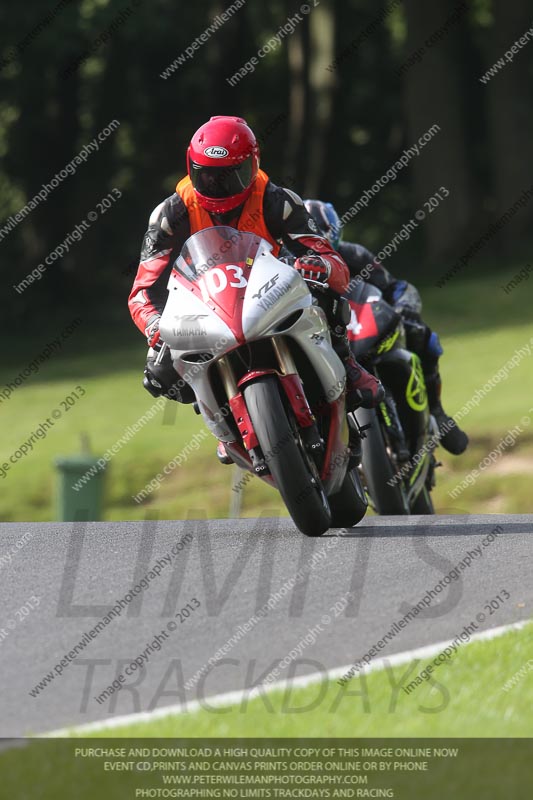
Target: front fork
(292,386)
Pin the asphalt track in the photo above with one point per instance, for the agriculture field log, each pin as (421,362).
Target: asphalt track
(78,570)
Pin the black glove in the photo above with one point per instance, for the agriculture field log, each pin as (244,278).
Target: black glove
(313,268)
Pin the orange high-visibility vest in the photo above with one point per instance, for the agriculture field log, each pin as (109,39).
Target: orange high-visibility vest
(251,218)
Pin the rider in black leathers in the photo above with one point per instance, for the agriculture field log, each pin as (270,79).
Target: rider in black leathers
(404,297)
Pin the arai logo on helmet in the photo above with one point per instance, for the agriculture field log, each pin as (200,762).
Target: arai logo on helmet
(216,152)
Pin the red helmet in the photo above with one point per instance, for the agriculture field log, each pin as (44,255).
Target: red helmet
(222,162)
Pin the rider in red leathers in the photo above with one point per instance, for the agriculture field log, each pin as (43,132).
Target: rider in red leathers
(224,186)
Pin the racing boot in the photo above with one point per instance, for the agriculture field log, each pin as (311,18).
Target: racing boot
(452,438)
(362,388)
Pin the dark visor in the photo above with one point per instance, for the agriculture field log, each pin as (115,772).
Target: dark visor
(219,182)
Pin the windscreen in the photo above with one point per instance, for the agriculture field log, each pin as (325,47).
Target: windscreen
(217,245)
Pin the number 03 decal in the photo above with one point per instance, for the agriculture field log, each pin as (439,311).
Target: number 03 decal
(217,281)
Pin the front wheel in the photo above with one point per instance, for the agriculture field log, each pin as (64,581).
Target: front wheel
(423,504)
(293,471)
(385,488)
(348,507)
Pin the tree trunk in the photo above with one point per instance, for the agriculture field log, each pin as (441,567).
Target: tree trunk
(510,115)
(321,83)
(433,96)
(293,168)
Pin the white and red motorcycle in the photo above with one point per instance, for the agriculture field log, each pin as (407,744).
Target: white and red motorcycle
(245,332)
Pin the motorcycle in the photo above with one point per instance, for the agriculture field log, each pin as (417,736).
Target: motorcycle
(245,332)
(400,435)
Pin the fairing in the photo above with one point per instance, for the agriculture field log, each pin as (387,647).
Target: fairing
(227,289)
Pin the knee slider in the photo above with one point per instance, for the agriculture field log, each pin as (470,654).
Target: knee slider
(434,347)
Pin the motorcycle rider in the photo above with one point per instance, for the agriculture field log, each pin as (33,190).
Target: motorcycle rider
(405,299)
(224,186)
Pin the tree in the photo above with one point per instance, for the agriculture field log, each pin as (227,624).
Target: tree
(510,115)
(434,94)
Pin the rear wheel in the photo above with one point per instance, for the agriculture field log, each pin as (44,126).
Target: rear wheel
(348,507)
(293,470)
(387,493)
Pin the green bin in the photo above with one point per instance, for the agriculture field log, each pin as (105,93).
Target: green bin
(85,503)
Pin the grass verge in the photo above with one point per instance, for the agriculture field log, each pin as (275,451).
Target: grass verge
(463,697)
(485,691)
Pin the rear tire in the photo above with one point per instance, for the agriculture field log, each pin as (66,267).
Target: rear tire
(379,469)
(348,507)
(302,492)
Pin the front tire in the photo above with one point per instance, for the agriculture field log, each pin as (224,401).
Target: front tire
(388,498)
(302,492)
(423,503)
(349,506)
